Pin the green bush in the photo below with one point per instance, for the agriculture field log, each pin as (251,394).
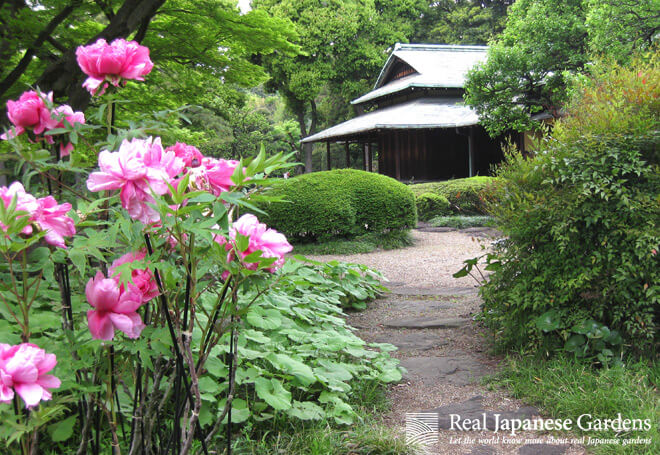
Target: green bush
(461,222)
(343,203)
(430,205)
(581,220)
(467,196)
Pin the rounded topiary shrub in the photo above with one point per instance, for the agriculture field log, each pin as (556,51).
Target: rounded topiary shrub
(430,205)
(339,203)
(467,196)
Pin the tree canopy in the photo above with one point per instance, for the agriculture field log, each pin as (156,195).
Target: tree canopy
(543,44)
(196,45)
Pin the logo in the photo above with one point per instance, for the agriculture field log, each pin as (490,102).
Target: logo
(422,429)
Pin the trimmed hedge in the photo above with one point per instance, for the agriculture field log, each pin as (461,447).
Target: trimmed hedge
(467,196)
(342,203)
(430,205)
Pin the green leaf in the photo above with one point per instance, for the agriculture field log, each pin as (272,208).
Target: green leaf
(306,410)
(461,273)
(273,393)
(575,343)
(264,319)
(549,321)
(63,430)
(390,375)
(294,367)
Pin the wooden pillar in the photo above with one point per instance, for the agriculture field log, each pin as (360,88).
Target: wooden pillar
(348,155)
(471,157)
(307,149)
(327,155)
(365,150)
(370,155)
(397,157)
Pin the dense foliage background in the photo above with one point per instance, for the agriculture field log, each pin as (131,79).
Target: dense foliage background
(579,265)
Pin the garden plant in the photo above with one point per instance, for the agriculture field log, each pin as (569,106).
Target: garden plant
(148,311)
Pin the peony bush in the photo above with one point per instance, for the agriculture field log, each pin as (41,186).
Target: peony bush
(131,295)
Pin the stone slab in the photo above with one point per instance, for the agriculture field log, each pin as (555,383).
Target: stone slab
(483,450)
(415,341)
(474,409)
(427,322)
(541,449)
(424,305)
(455,370)
(445,291)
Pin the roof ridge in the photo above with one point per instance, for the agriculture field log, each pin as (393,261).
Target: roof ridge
(436,47)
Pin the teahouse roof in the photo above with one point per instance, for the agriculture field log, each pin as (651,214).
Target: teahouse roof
(434,65)
(419,113)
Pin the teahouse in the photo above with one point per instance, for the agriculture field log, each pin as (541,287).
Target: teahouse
(416,118)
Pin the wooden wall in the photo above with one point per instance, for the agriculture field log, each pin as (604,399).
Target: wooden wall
(434,154)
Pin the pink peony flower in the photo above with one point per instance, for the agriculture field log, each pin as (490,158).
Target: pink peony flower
(114,308)
(51,217)
(271,243)
(114,62)
(144,283)
(29,112)
(189,154)
(24,202)
(214,175)
(45,212)
(56,120)
(23,369)
(136,169)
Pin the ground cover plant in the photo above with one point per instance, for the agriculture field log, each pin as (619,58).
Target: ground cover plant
(467,196)
(142,310)
(578,272)
(339,204)
(363,244)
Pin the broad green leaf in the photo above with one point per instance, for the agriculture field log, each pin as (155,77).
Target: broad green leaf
(273,393)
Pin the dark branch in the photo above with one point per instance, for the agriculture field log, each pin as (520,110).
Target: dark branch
(31,51)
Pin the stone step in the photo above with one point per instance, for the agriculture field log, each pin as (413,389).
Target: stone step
(473,409)
(444,291)
(415,341)
(456,370)
(427,322)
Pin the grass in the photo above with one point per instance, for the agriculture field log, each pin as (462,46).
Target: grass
(566,389)
(363,244)
(460,222)
(367,437)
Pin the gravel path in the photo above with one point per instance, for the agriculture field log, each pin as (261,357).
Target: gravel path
(430,262)
(429,317)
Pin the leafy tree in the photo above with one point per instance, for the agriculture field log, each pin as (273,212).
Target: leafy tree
(461,21)
(544,42)
(617,28)
(525,70)
(344,44)
(197,45)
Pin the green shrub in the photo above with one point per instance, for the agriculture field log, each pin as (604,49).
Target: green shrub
(581,220)
(467,196)
(461,222)
(430,205)
(343,203)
